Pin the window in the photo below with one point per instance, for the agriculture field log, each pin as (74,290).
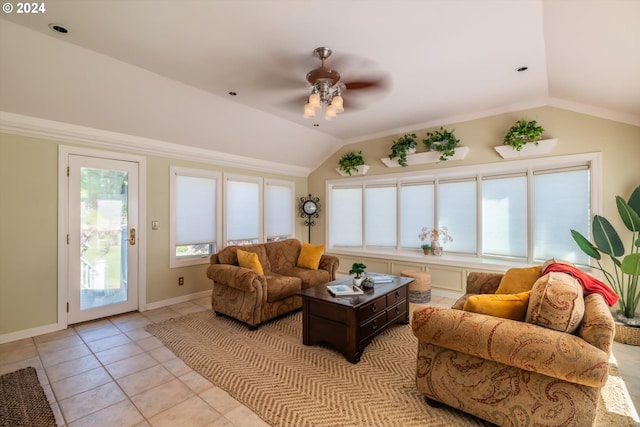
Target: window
(258,210)
(416,211)
(346,209)
(279,210)
(561,203)
(243,210)
(457,211)
(522,210)
(195,215)
(197,205)
(504,215)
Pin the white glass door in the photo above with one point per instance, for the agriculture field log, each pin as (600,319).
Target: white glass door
(102,242)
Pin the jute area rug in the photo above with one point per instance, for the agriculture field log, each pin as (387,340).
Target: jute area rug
(22,400)
(289,384)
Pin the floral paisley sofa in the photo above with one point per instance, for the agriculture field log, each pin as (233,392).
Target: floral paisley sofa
(528,372)
(254,297)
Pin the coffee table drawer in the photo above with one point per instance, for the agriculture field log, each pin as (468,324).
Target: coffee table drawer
(399,310)
(396,296)
(372,309)
(372,325)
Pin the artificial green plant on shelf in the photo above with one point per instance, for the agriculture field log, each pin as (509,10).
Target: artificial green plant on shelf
(401,146)
(443,141)
(523,132)
(350,161)
(623,278)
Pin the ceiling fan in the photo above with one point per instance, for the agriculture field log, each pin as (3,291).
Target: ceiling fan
(327,88)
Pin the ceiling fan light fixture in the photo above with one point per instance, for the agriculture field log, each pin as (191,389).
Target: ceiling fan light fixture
(337,103)
(314,100)
(325,89)
(330,113)
(309,111)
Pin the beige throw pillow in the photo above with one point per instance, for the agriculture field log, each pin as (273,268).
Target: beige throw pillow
(556,302)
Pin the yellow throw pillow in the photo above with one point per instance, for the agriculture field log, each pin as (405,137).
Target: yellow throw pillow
(517,280)
(507,306)
(310,256)
(250,260)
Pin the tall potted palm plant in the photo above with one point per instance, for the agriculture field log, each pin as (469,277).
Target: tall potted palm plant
(623,274)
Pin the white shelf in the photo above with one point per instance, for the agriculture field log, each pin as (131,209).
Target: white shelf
(361,170)
(426,157)
(529,149)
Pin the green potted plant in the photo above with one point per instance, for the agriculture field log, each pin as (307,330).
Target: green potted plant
(358,269)
(523,132)
(368,283)
(401,147)
(350,161)
(443,141)
(625,269)
(426,248)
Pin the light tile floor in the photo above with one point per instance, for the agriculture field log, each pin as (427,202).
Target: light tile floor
(111,372)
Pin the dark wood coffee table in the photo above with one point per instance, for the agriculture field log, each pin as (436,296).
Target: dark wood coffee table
(349,323)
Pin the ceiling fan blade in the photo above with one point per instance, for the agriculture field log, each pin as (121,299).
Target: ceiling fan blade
(380,83)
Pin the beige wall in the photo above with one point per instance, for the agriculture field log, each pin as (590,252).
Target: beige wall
(576,133)
(29,223)
(28,197)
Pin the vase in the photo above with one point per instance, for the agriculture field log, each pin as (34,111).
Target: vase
(426,251)
(436,249)
(357,281)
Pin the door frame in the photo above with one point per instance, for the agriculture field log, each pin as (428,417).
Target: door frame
(63,223)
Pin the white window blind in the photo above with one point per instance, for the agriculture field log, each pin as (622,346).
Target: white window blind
(416,211)
(195,210)
(242,211)
(457,211)
(278,210)
(561,201)
(380,216)
(504,216)
(346,217)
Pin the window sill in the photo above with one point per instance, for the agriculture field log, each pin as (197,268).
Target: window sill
(446,259)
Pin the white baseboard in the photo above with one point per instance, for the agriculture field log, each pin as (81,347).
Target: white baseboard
(177,300)
(46,329)
(28,333)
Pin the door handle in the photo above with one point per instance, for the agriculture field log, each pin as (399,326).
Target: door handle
(132,236)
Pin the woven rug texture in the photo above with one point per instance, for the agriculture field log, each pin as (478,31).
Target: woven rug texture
(23,401)
(289,384)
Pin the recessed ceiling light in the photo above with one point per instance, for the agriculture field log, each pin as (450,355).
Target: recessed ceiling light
(521,69)
(232,93)
(316,125)
(58,28)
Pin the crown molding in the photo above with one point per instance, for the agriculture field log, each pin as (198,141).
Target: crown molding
(65,132)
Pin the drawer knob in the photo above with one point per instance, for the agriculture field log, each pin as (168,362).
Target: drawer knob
(374,325)
(397,310)
(374,308)
(397,294)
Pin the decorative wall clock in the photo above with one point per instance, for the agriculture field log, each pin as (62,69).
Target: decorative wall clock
(309,210)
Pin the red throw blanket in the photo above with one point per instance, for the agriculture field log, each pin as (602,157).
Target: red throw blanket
(590,285)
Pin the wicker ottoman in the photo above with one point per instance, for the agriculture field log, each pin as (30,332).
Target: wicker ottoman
(420,288)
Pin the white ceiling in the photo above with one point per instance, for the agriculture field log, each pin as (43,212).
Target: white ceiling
(163,69)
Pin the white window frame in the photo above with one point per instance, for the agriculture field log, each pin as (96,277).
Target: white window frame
(592,160)
(175,262)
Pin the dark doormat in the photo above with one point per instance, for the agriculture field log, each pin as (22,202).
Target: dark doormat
(23,401)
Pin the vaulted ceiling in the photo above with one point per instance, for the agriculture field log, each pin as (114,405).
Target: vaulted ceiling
(163,70)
